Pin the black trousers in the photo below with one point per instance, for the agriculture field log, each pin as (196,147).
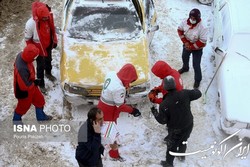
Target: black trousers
(44,64)
(98,165)
(175,141)
(196,54)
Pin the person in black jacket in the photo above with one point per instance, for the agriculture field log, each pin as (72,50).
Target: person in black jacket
(176,113)
(89,149)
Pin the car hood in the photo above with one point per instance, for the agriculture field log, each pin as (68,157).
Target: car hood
(234,80)
(86,63)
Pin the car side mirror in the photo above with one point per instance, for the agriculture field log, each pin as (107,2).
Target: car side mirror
(154,28)
(58,31)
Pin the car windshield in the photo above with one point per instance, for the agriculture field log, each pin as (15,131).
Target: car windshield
(108,24)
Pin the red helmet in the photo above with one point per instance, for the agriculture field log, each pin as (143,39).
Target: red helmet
(196,14)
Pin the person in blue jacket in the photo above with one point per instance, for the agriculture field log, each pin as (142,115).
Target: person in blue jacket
(90,149)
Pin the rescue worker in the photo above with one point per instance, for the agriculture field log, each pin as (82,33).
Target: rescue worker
(193,35)
(112,100)
(161,69)
(40,31)
(26,86)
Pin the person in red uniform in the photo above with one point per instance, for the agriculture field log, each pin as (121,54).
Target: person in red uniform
(40,31)
(112,100)
(161,69)
(193,35)
(25,85)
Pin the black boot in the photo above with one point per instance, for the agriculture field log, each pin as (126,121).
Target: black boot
(196,85)
(166,164)
(50,76)
(182,70)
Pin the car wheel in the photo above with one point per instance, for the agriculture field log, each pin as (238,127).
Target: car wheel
(67,108)
(205,2)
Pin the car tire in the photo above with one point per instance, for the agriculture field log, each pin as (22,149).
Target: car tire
(67,109)
(205,2)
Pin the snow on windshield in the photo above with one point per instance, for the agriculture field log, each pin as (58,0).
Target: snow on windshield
(110,23)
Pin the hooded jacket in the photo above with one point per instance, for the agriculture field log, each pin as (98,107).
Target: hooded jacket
(39,32)
(112,100)
(161,69)
(24,71)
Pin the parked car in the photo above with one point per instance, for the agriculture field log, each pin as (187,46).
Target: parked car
(231,44)
(99,36)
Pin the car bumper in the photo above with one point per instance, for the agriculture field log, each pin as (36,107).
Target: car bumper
(79,99)
(241,129)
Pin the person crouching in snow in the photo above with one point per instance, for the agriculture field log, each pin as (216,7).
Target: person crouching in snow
(161,69)
(176,113)
(26,86)
(112,100)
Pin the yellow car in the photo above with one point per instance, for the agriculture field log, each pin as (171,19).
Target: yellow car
(99,36)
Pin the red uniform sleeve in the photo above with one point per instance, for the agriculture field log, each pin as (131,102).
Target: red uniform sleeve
(182,36)
(125,108)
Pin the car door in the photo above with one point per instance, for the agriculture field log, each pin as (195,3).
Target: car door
(151,18)
(146,12)
(222,27)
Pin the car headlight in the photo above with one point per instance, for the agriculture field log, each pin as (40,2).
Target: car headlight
(139,88)
(75,89)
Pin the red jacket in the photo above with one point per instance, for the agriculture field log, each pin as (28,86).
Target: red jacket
(161,69)
(24,71)
(43,33)
(109,98)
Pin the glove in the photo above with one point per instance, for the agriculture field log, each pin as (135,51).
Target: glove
(187,45)
(54,45)
(152,95)
(37,82)
(135,112)
(156,90)
(154,111)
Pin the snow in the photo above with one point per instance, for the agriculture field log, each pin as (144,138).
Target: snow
(141,138)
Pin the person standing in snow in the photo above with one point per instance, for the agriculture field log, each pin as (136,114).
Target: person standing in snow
(40,31)
(26,86)
(112,100)
(175,111)
(193,35)
(161,69)
(90,149)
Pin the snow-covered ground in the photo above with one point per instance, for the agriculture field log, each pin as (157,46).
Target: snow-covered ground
(141,138)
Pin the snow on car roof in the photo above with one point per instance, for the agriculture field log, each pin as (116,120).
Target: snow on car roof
(239,14)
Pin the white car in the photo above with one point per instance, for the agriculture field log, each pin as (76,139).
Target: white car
(231,43)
